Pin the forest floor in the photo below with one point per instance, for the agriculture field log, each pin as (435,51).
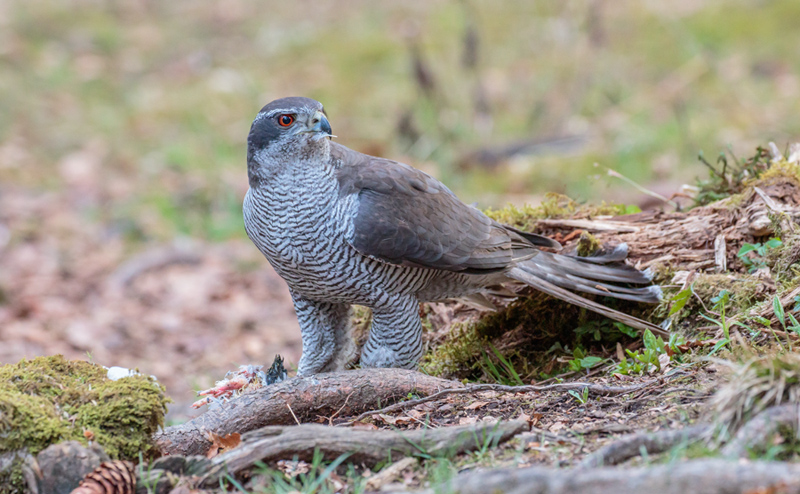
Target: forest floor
(189,312)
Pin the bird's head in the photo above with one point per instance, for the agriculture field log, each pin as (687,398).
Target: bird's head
(287,131)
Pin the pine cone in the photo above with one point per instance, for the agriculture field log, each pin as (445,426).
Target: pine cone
(111,477)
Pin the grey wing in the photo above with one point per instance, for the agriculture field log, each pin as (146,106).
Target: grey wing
(405,216)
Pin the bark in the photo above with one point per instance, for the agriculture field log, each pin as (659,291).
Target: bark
(703,239)
(649,442)
(696,477)
(757,433)
(308,399)
(361,446)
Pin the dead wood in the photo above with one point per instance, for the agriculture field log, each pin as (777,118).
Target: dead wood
(704,238)
(295,400)
(361,446)
(757,433)
(698,477)
(477,388)
(646,442)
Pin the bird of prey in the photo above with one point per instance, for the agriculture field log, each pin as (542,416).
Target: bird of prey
(346,228)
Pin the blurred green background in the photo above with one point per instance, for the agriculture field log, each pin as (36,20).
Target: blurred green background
(141,108)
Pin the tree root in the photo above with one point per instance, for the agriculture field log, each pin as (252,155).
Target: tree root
(362,446)
(698,477)
(477,388)
(298,400)
(757,432)
(649,442)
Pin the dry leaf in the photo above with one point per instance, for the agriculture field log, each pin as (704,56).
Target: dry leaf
(220,444)
(364,425)
(389,420)
(293,468)
(476,405)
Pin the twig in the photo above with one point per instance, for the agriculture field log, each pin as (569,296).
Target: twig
(292,412)
(640,188)
(330,419)
(595,369)
(477,388)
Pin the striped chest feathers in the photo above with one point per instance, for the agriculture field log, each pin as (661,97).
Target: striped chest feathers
(294,231)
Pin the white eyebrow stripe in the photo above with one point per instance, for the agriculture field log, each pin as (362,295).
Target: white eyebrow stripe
(282,110)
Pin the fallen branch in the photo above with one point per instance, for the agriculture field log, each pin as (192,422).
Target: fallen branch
(648,442)
(361,446)
(590,225)
(151,260)
(303,399)
(757,433)
(698,477)
(477,388)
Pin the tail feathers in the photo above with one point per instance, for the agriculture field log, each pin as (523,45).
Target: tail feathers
(587,268)
(648,294)
(617,253)
(525,276)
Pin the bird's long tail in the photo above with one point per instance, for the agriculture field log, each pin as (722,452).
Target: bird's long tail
(556,274)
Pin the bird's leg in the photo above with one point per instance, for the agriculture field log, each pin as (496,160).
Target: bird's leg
(395,337)
(325,329)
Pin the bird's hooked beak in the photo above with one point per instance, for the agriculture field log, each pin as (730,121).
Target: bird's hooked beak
(318,124)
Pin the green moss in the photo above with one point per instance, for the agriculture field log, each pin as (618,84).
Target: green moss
(746,292)
(50,399)
(587,244)
(778,171)
(457,353)
(553,206)
(529,333)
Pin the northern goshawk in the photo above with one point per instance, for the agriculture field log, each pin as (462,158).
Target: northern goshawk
(346,228)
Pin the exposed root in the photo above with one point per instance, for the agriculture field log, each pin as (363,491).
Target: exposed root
(649,442)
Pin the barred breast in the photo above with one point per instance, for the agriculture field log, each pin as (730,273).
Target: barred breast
(304,239)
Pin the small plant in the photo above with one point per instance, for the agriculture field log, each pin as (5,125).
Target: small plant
(780,314)
(604,330)
(752,255)
(503,371)
(649,359)
(720,301)
(728,178)
(581,361)
(582,396)
(680,299)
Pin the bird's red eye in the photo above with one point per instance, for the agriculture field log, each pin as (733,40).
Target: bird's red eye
(286,120)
